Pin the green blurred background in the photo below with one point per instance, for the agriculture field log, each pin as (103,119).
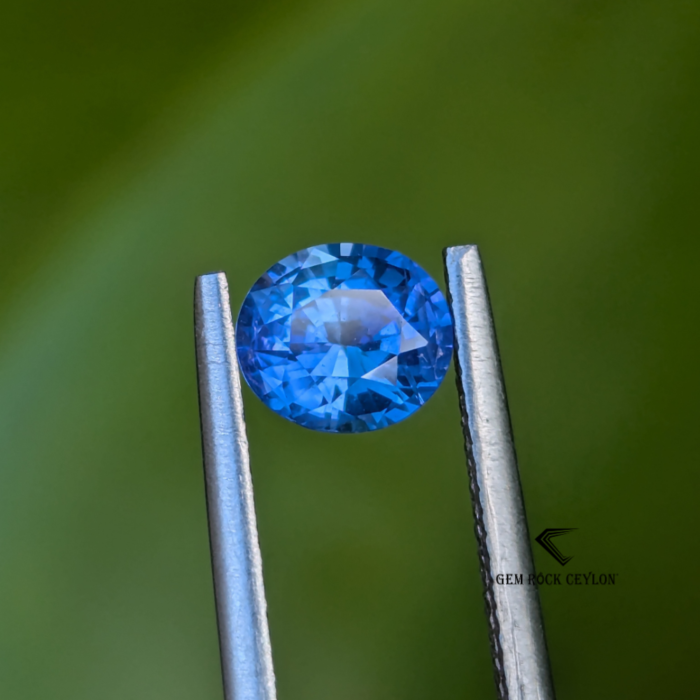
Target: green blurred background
(142,143)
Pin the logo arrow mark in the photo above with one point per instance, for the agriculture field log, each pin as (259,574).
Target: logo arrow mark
(544,539)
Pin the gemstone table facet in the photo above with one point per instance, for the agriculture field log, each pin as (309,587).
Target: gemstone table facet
(344,337)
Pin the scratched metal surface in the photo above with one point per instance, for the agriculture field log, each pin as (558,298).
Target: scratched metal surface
(518,645)
(246,655)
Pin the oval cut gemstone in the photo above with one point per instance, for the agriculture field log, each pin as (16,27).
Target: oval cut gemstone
(345,337)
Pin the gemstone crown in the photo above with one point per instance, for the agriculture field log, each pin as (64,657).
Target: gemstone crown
(344,337)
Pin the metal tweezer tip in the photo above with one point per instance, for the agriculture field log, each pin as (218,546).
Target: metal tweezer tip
(244,638)
(518,646)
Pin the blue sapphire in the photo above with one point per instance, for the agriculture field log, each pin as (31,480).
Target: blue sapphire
(345,337)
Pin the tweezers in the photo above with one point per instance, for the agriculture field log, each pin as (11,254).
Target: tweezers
(516,633)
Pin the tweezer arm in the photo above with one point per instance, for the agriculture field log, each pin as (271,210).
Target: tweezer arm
(244,639)
(518,645)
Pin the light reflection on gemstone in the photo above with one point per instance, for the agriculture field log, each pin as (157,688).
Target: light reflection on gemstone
(344,337)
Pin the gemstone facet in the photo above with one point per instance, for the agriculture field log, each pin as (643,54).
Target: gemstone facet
(344,337)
